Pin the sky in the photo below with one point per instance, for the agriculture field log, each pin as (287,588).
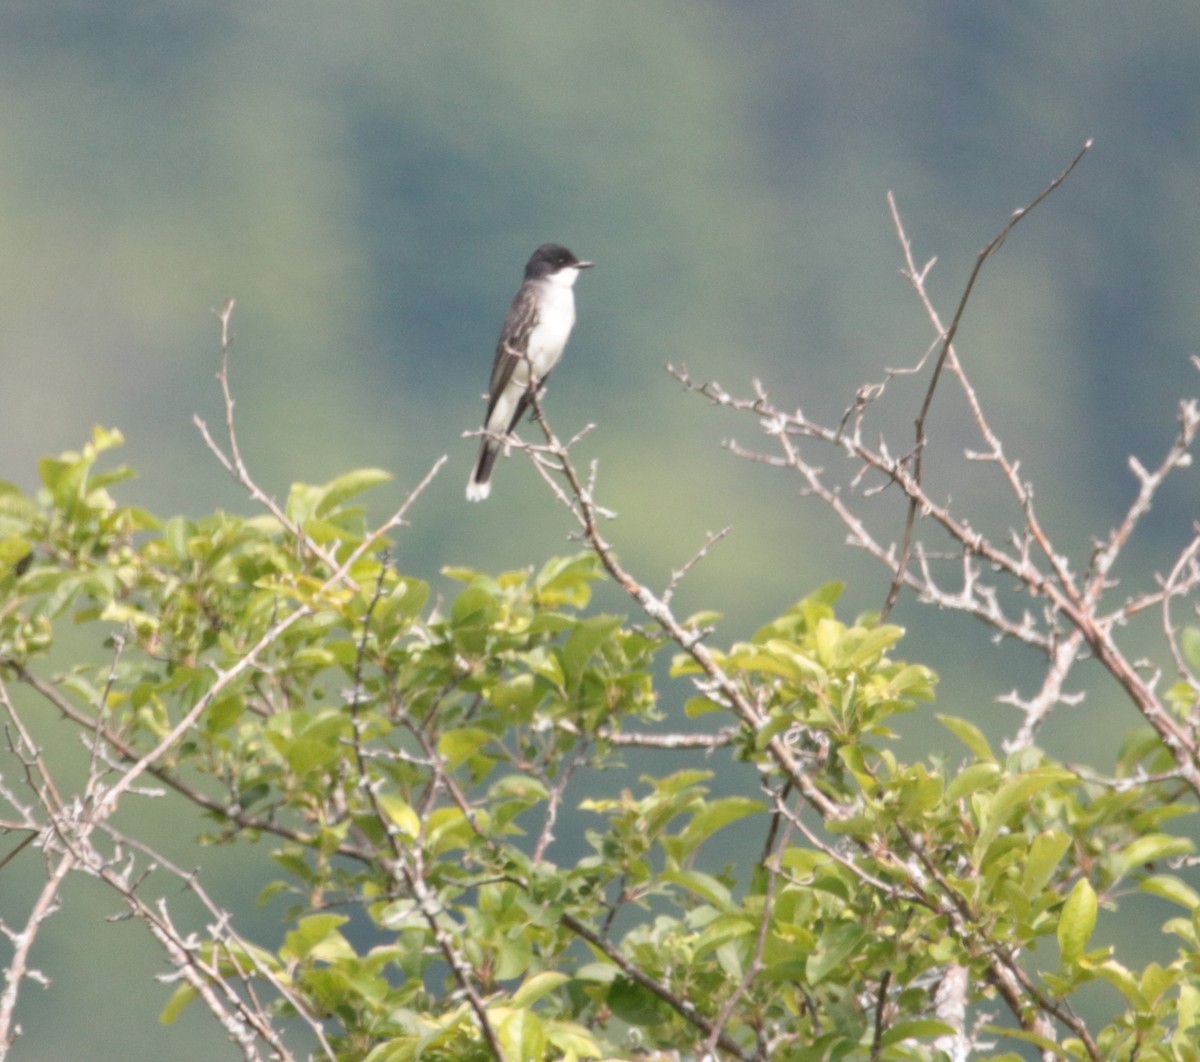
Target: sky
(367,180)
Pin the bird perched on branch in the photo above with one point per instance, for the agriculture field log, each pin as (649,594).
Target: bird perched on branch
(533,338)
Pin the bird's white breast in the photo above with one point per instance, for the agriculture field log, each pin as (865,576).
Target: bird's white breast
(556,318)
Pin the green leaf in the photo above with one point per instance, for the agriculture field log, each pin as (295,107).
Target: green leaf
(1077,920)
(573,1040)
(582,643)
(447,830)
(695,706)
(458,746)
(175,534)
(1156,981)
(701,620)
(872,644)
(600,973)
(703,885)
(400,814)
(13,550)
(475,605)
(916,1029)
(270,891)
(833,948)
(302,502)
(539,984)
(632,1003)
(317,936)
(919,791)
(512,957)
(106,438)
(802,617)
(98,480)
(338,490)
(521,1033)
(1013,795)
(1171,888)
(222,713)
(830,637)
(1187,1011)
(716,814)
(180,998)
(404,601)
(971,779)
(326,532)
(567,581)
(970,735)
(62,479)
(777,657)
(1121,979)
(915,682)
(1045,853)
(1155,846)
(15,505)
(316,743)
(522,788)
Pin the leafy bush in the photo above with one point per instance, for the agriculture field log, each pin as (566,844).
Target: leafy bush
(408,764)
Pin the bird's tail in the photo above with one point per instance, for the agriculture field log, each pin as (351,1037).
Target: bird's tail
(479,486)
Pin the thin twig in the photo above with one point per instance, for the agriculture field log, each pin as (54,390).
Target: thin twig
(947,342)
(233,463)
(678,574)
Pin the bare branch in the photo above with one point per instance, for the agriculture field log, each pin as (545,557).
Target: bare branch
(678,575)
(233,463)
(946,337)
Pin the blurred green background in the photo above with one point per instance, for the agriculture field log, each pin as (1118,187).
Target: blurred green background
(368,178)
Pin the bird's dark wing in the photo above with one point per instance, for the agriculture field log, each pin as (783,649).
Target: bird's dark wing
(521,320)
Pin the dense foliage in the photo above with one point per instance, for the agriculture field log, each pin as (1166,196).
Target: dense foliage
(408,765)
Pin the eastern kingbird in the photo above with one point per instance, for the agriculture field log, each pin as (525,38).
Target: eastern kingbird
(535,332)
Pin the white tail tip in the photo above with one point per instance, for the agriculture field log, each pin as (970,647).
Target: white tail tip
(478,491)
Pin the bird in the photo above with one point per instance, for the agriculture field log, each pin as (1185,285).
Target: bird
(533,338)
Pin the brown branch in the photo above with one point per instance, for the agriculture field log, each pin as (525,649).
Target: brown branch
(682,1006)
(580,503)
(94,725)
(945,351)
(22,941)
(233,463)
(1054,585)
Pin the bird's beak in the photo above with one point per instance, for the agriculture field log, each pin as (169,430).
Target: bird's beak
(584,265)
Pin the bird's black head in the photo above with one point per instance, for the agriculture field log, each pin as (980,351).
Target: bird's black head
(552,258)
